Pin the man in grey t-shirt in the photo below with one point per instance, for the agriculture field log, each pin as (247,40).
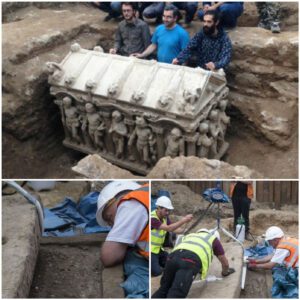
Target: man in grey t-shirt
(133,34)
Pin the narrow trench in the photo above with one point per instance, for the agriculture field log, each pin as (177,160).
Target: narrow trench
(67,271)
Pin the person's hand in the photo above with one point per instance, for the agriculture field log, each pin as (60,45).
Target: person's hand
(206,7)
(210,66)
(252,265)
(228,272)
(138,55)
(188,218)
(175,61)
(113,51)
(251,260)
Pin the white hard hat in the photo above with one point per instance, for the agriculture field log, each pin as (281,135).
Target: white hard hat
(211,231)
(110,191)
(165,202)
(273,232)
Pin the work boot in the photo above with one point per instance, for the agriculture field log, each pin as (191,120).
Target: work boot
(275,28)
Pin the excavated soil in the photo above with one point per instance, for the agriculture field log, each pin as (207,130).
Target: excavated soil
(67,272)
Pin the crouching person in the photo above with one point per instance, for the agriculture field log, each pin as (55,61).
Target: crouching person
(124,205)
(191,256)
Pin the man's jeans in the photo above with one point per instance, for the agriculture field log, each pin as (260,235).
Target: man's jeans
(229,13)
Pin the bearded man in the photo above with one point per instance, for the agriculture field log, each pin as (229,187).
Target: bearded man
(211,45)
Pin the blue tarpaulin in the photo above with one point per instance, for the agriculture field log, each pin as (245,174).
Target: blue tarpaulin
(285,283)
(136,270)
(259,251)
(69,218)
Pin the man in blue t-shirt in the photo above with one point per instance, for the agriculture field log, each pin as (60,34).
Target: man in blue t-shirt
(168,39)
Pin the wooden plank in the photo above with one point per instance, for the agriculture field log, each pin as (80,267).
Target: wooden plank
(260,191)
(277,194)
(265,196)
(271,192)
(294,193)
(289,191)
(283,192)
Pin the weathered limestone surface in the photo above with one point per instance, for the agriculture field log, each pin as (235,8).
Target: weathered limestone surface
(40,35)
(263,81)
(228,287)
(20,245)
(95,167)
(193,167)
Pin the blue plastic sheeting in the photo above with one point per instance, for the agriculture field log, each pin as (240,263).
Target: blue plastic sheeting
(285,283)
(215,195)
(159,194)
(136,270)
(259,251)
(69,218)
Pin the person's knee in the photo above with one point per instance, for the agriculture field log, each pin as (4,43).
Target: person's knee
(200,14)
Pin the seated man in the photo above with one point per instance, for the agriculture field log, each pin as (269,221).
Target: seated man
(168,39)
(229,12)
(191,256)
(155,10)
(112,8)
(133,34)
(160,225)
(211,45)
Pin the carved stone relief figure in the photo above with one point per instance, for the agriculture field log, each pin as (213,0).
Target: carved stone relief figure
(214,130)
(223,119)
(71,119)
(204,142)
(175,143)
(145,141)
(96,126)
(119,131)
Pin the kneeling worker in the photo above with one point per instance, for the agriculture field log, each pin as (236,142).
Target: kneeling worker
(286,251)
(124,205)
(191,256)
(160,225)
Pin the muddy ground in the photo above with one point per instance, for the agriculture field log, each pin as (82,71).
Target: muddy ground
(64,271)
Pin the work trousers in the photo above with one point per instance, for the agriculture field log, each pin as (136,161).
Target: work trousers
(229,13)
(241,206)
(158,261)
(181,269)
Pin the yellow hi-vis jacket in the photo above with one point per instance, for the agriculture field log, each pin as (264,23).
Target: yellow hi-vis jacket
(200,244)
(157,236)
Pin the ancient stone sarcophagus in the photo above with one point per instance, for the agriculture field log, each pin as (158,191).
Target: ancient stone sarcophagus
(132,112)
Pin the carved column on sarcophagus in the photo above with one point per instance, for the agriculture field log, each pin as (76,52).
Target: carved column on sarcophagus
(191,142)
(159,131)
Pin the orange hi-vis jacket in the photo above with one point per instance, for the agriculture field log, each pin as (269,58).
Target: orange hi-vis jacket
(290,244)
(249,190)
(141,195)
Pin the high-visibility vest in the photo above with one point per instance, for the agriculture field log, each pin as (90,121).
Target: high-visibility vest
(249,190)
(141,195)
(157,235)
(200,244)
(290,244)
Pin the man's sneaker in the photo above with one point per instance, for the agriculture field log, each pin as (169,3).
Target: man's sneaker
(263,25)
(275,28)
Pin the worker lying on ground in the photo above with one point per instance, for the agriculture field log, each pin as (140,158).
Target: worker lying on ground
(191,256)
(124,205)
(286,251)
(160,225)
